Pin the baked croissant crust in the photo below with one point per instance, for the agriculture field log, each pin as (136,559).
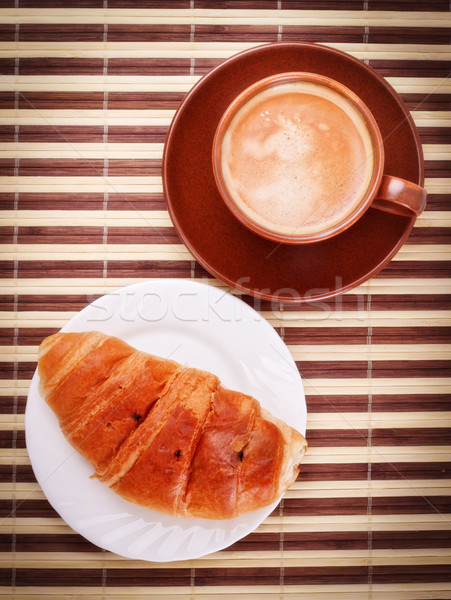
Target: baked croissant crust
(164,436)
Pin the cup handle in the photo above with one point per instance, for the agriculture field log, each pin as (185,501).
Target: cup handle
(400,197)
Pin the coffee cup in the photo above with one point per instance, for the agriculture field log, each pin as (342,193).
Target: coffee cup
(298,158)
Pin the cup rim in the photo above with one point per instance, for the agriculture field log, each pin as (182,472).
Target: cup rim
(378,153)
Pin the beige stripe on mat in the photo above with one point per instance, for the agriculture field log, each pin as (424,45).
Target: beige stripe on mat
(210,49)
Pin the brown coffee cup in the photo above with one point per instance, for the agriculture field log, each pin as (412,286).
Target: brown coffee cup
(298,158)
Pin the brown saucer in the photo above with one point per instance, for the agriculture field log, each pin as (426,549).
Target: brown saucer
(231,252)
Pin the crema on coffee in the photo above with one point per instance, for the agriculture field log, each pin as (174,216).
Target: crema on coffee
(297,158)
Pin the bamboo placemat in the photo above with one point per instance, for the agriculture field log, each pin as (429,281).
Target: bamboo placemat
(87,93)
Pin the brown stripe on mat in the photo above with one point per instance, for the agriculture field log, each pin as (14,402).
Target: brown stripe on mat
(23,370)
(334,472)
(411,301)
(7,133)
(358,506)
(7,166)
(322,5)
(148,3)
(26,542)
(409,402)
(60,66)
(334,369)
(411,68)
(434,135)
(61,32)
(150,268)
(410,470)
(437,168)
(411,505)
(154,201)
(60,133)
(47,577)
(34,335)
(7,100)
(135,134)
(87,201)
(359,540)
(410,368)
(69,201)
(343,540)
(84,167)
(324,506)
(133,167)
(61,167)
(7,270)
(159,577)
(7,336)
(235,33)
(8,439)
(7,33)
(430,235)
(415,101)
(76,234)
(354,302)
(399,436)
(330,438)
(274,308)
(149,33)
(145,100)
(28,508)
(379,471)
(339,404)
(7,66)
(350,369)
(237,4)
(143,235)
(203,65)
(438,201)
(359,335)
(271,576)
(91,235)
(416,268)
(425,573)
(344,34)
(408,35)
(354,575)
(410,5)
(6,303)
(59,268)
(380,403)
(37,302)
(57,3)
(61,100)
(93,100)
(149,66)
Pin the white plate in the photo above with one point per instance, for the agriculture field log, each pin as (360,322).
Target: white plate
(191,323)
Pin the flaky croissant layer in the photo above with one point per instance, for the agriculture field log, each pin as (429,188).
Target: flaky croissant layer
(164,436)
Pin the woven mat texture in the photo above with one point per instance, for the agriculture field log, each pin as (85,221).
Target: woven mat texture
(88,89)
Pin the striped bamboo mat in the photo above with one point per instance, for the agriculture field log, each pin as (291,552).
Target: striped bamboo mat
(87,93)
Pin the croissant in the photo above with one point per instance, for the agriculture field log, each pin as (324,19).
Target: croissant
(164,436)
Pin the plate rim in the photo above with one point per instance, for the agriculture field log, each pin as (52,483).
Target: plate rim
(358,64)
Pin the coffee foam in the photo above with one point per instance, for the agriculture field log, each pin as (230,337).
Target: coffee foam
(297,158)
